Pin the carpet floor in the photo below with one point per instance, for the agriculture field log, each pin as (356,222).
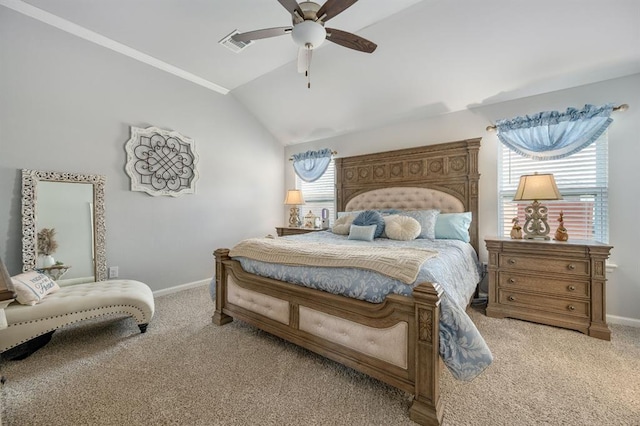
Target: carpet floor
(187,371)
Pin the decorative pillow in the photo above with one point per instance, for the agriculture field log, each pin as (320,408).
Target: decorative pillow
(454,226)
(342,224)
(370,217)
(32,287)
(426,219)
(403,228)
(364,233)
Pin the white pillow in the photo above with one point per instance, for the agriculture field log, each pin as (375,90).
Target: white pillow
(342,225)
(402,228)
(32,287)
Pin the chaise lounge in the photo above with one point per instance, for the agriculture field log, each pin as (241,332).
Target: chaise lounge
(28,328)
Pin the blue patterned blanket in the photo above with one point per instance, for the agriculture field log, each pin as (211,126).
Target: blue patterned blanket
(455,268)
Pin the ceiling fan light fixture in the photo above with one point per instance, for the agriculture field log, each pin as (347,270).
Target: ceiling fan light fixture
(308,33)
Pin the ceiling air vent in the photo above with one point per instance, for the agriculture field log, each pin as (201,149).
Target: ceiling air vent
(233,45)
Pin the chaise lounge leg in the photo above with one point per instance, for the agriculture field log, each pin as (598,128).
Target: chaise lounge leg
(26,349)
(143,327)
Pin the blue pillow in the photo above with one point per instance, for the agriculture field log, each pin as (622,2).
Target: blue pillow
(364,233)
(426,219)
(371,217)
(453,226)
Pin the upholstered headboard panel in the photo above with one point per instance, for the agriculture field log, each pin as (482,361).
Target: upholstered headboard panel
(409,198)
(449,170)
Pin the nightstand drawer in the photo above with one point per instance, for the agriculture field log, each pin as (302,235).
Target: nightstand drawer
(550,304)
(514,281)
(539,264)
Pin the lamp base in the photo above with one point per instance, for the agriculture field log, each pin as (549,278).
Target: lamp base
(535,225)
(294,217)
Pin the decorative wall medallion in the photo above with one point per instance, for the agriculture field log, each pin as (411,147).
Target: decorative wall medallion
(161,162)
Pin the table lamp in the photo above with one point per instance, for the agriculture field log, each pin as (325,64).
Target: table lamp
(294,199)
(534,188)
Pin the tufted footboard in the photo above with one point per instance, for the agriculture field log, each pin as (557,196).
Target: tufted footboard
(395,341)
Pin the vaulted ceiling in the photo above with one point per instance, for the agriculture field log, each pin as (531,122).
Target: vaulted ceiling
(433,56)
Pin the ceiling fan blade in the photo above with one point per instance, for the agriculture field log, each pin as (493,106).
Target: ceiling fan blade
(333,7)
(264,33)
(350,40)
(292,6)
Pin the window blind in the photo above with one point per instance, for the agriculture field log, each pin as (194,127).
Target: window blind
(320,194)
(583,181)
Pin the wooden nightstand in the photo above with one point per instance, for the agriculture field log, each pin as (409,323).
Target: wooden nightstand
(286,230)
(550,282)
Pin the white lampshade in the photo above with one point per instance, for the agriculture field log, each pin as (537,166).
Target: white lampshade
(294,197)
(308,33)
(537,187)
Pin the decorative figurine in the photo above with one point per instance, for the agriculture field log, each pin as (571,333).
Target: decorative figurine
(310,220)
(516,229)
(561,232)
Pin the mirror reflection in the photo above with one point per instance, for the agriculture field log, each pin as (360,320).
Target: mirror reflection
(65,220)
(63,225)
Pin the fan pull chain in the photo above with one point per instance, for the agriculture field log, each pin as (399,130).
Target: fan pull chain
(308,72)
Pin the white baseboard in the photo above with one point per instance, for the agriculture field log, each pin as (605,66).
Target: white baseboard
(181,287)
(614,319)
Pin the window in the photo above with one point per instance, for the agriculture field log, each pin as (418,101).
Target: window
(320,194)
(582,179)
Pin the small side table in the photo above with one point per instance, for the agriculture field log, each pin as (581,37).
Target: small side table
(55,272)
(287,230)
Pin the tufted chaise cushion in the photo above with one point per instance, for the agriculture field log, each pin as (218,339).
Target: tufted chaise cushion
(75,303)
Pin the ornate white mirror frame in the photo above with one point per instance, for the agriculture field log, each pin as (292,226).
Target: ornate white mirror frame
(30,180)
(161,162)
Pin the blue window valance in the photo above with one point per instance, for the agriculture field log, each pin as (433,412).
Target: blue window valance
(550,135)
(311,165)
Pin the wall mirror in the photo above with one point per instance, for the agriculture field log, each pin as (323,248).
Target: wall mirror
(72,204)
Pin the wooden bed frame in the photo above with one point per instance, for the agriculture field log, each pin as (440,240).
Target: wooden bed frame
(449,167)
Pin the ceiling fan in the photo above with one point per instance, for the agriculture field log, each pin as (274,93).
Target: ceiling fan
(308,30)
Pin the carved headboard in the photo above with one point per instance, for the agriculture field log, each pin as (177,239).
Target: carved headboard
(450,167)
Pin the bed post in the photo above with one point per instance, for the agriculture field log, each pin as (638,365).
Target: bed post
(219,317)
(426,408)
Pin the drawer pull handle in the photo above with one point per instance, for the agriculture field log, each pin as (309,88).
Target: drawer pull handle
(512,261)
(571,266)
(511,281)
(511,298)
(572,288)
(571,308)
